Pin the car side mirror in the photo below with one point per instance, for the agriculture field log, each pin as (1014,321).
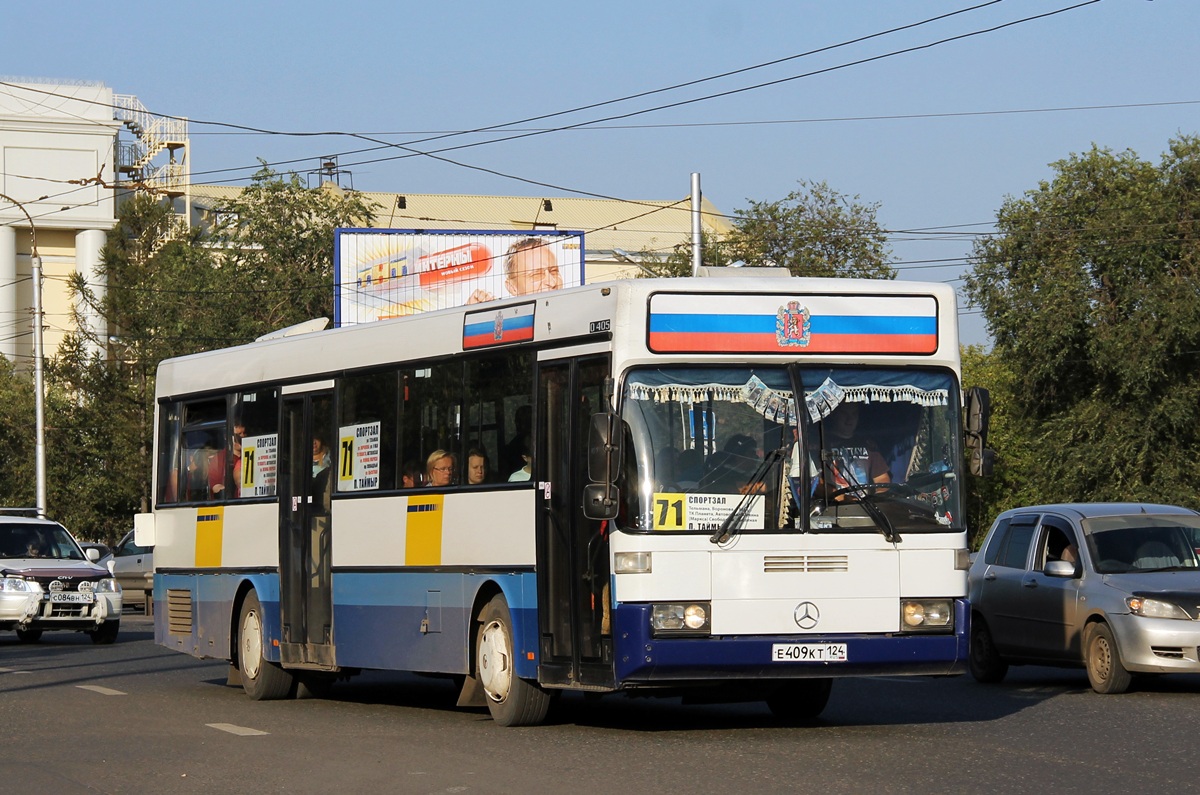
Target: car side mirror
(1059,568)
(92,554)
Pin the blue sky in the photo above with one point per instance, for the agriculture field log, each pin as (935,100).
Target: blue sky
(926,133)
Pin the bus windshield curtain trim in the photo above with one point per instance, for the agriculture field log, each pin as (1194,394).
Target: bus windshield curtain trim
(773,404)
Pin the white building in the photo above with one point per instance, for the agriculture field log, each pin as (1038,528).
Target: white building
(56,173)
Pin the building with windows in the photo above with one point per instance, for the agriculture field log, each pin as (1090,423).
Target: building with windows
(70,150)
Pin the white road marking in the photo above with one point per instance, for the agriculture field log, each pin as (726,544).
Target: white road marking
(240,731)
(104,691)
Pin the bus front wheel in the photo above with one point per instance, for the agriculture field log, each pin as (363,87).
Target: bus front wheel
(261,679)
(512,701)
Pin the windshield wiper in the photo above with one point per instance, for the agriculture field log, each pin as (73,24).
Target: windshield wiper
(733,522)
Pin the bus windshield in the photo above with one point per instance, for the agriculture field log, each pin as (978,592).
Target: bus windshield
(868,450)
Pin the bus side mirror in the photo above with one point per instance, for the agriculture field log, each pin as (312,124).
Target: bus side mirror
(604,448)
(601,498)
(980,459)
(601,501)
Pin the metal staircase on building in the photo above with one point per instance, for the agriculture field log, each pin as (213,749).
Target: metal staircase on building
(154,134)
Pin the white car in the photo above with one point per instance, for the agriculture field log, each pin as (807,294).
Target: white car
(47,582)
(133,566)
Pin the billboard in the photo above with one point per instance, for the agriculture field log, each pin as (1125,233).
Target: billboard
(382,273)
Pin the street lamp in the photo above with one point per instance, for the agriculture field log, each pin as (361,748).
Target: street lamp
(39,384)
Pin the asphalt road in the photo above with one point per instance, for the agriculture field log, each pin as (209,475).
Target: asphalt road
(135,718)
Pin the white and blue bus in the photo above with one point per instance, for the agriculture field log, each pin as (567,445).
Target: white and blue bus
(727,487)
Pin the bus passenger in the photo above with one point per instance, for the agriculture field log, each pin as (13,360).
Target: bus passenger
(412,475)
(526,470)
(439,469)
(320,455)
(477,467)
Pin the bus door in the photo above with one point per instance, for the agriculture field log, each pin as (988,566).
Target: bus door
(305,531)
(572,551)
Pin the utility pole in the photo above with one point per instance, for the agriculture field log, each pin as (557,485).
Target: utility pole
(39,383)
(697,254)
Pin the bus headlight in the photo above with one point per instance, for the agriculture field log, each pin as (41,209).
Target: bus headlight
(681,618)
(926,614)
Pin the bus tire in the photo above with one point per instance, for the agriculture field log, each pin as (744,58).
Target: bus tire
(800,700)
(512,701)
(985,663)
(1106,672)
(29,635)
(261,679)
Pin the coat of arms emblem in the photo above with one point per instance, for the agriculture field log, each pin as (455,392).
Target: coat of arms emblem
(793,325)
(498,327)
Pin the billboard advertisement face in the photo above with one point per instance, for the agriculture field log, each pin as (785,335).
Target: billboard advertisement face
(382,273)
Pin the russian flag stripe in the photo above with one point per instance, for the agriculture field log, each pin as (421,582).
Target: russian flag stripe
(483,334)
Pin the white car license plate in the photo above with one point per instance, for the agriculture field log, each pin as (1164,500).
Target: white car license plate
(808,652)
(73,597)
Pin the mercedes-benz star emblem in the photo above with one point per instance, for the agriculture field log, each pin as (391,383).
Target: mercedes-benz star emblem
(807,615)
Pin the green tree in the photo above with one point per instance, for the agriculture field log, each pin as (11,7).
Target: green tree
(713,253)
(278,249)
(1090,290)
(813,231)
(17,486)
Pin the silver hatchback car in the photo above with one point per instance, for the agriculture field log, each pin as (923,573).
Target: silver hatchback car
(1112,587)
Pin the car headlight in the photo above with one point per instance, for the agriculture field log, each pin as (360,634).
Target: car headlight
(681,618)
(1155,608)
(18,585)
(926,614)
(108,585)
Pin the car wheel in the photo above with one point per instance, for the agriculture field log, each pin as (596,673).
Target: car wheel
(29,635)
(1104,668)
(800,701)
(261,679)
(511,700)
(106,633)
(985,662)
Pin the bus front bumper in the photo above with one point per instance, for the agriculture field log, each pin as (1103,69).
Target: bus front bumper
(642,658)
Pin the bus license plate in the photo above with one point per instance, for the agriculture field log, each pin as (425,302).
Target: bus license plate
(808,652)
(75,598)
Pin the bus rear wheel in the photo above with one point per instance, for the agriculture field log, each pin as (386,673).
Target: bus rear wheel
(261,679)
(512,701)
(800,700)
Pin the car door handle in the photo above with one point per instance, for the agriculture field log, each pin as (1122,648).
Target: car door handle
(991,575)
(1029,583)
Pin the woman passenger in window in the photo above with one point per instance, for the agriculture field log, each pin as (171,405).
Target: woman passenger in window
(439,469)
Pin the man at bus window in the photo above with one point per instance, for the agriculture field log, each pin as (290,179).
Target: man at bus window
(412,476)
(510,454)
(477,467)
(526,471)
(730,470)
(320,455)
(439,469)
(850,459)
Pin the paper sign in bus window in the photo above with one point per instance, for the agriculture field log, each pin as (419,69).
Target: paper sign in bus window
(359,457)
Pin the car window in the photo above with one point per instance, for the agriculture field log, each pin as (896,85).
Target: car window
(1057,543)
(1016,546)
(127,548)
(999,538)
